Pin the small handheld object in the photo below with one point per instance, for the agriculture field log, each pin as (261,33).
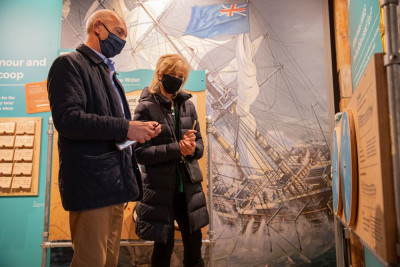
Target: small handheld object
(157,125)
(194,124)
(125,144)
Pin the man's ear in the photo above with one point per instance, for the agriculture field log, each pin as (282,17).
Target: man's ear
(97,25)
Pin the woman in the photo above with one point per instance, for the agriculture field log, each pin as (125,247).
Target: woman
(168,192)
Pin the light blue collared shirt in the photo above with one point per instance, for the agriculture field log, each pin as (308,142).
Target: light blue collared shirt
(111,68)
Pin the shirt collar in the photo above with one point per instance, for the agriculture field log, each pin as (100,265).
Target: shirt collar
(108,61)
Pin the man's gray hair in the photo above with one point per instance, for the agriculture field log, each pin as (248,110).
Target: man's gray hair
(104,15)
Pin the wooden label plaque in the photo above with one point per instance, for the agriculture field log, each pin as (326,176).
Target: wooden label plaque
(24,140)
(6,155)
(7,128)
(375,224)
(5,182)
(7,141)
(23,155)
(22,169)
(22,182)
(26,127)
(6,168)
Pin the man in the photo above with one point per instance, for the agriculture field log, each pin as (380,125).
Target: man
(91,115)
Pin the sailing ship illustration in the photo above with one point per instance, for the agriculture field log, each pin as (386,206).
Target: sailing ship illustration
(271,160)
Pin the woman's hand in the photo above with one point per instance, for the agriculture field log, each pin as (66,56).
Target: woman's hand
(189,136)
(187,147)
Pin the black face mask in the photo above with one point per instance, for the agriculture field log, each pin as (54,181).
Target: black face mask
(171,84)
(112,45)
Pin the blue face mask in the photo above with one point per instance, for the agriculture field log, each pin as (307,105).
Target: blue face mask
(112,45)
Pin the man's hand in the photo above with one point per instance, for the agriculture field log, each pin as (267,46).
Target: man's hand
(187,148)
(143,131)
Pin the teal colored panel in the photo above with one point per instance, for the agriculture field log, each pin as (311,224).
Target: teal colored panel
(364,35)
(139,79)
(135,80)
(370,260)
(31,34)
(196,81)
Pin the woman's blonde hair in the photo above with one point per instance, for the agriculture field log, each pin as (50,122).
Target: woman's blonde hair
(167,64)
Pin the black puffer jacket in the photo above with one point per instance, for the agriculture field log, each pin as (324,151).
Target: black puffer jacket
(89,120)
(160,157)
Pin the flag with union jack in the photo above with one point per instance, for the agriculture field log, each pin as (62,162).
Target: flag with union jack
(215,20)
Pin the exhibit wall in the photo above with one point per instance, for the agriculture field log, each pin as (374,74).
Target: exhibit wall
(30,38)
(264,74)
(363,180)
